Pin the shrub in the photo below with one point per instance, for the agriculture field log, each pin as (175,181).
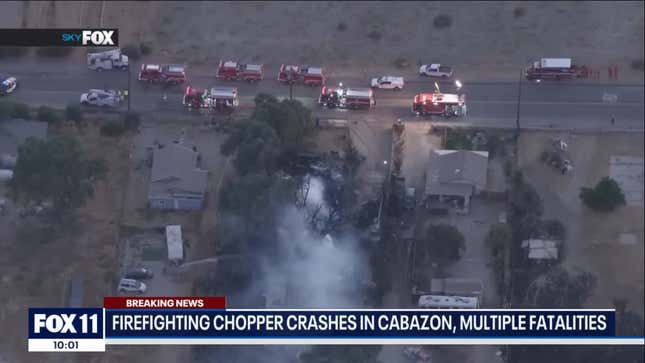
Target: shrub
(132,51)
(401,63)
(54,52)
(131,120)
(20,110)
(519,12)
(375,35)
(113,128)
(13,52)
(341,27)
(73,113)
(6,109)
(442,21)
(47,114)
(145,48)
(638,65)
(604,197)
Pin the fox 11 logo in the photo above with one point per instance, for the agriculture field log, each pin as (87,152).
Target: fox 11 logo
(49,323)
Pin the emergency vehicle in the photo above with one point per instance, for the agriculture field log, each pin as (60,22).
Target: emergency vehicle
(108,60)
(217,98)
(234,71)
(168,74)
(345,97)
(308,75)
(443,104)
(556,69)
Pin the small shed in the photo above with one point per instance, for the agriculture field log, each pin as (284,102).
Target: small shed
(175,244)
(539,249)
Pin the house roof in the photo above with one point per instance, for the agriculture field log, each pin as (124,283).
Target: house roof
(14,132)
(174,171)
(540,249)
(456,172)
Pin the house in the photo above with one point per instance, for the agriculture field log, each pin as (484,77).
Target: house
(176,183)
(541,250)
(456,175)
(15,132)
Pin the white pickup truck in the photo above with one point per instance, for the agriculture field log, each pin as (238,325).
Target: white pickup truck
(387,82)
(436,70)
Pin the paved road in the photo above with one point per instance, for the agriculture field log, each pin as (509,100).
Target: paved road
(565,104)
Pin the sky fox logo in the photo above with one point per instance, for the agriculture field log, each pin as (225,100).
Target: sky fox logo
(91,37)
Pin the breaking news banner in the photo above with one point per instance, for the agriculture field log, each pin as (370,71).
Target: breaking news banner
(205,320)
(59,37)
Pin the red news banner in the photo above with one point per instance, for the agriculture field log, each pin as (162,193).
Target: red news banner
(164,302)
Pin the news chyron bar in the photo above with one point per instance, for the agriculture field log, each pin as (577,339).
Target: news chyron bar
(103,37)
(206,320)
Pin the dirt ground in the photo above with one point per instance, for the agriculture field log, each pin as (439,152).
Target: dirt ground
(41,277)
(593,239)
(483,39)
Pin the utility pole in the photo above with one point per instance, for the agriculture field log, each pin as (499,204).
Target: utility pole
(291,84)
(129,80)
(519,97)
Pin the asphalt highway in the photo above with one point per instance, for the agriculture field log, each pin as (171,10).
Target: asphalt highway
(568,104)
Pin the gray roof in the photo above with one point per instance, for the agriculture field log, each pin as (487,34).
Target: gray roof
(456,172)
(14,132)
(175,172)
(540,249)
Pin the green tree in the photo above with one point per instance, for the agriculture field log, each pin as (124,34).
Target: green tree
(559,289)
(604,197)
(443,243)
(290,119)
(73,113)
(342,354)
(56,170)
(47,114)
(21,110)
(498,239)
(525,208)
(256,145)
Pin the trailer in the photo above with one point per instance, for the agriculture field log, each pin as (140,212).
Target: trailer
(216,98)
(234,71)
(555,69)
(441,104)
(108,60)
(307,75)
(347,98)
(175,244)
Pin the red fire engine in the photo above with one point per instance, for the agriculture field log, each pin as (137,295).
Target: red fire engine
(217,98)
(344,97)
(168,74)
(234,71)
(447,105)
(308,75)
(555,68)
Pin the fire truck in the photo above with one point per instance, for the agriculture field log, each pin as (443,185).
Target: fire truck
(216,98)
(308,75)
(345,97)
(234,71)
(556,69)
(442,104)
(167,74)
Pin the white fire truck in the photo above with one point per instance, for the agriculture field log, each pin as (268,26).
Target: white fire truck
(345,97)
(108,60)
(216,98)
(442,104)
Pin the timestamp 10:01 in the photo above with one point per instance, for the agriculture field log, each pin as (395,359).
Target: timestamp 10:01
(65,344)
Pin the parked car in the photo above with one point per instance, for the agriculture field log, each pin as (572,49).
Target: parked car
(139,273)
(131,285)
(436,70)
(102,98)
(387,82)
(8,85)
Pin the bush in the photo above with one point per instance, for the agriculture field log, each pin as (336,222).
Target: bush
(341,27)
(6,109)
(519,12)
(48,114)
(13,52)
(145,48)
(73,113)
(54,52)
(401,63)
(638,65)
(132,51)
(375,35)
(131,120)
(442,21)
(113,128)
(20,110)
(604,197)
